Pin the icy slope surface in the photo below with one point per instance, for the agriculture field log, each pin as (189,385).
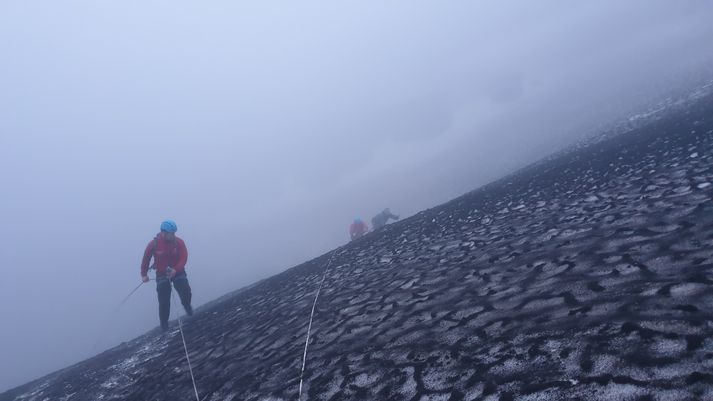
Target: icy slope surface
(586,277)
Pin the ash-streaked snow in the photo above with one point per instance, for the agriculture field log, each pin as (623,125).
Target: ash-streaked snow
(588,276)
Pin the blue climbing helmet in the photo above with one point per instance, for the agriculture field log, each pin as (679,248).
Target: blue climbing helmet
(169,226)
(357,220)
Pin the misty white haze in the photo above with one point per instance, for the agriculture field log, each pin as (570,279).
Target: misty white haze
(263,128)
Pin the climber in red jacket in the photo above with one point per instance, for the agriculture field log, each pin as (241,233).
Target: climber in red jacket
(169,255)
(358,229)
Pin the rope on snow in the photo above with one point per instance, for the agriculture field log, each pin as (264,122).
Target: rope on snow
(311,316)
(185,348)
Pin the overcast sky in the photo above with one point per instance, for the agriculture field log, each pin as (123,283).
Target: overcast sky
(264,127)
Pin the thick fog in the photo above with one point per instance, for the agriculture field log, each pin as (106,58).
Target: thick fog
(263,128)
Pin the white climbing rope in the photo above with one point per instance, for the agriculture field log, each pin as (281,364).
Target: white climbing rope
(311,316)
(185,348)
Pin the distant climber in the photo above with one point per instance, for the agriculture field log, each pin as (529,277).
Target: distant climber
(169,255)
(358,229)
(382,218)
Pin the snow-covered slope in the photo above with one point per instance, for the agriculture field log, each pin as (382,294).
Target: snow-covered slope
(588,277)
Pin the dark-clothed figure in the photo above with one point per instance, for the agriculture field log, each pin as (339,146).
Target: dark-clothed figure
(382,218)
(169,255)
(358,229)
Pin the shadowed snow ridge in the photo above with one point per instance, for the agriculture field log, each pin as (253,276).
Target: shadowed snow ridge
(588,277)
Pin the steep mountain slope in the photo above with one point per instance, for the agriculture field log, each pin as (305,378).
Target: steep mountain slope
(589,276)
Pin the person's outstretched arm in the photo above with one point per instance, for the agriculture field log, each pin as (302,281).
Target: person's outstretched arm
(148,254)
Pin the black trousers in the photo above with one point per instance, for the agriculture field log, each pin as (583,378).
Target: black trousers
(163,288)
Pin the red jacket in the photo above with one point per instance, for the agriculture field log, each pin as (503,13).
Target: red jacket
(356,230)
(167,253)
